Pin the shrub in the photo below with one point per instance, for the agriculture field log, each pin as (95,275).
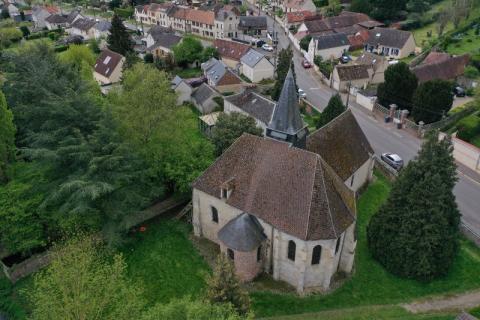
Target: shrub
(468,127)
(61,48)
(471,72)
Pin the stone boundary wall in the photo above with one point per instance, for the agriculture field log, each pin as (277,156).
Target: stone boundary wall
(26,267)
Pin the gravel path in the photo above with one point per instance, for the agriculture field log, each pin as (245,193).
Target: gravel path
(463,301)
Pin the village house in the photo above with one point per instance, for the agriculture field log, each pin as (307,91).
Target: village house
(350,75)
(227,18)
(40,13)
(108,68)
(353,156)
(253,26)
(84,28)
(438,65)
(273,206)
(203,98)
(329,46)
(160,41)
(291,6)
(256,67)
(207,122)
(251,104)
(56,21)
(295,19)
(221,77)
(230,52)
(182,89)
(377,64)
(101,30)
(392,43)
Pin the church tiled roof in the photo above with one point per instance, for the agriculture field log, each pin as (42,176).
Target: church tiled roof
(342,144)
(290,188)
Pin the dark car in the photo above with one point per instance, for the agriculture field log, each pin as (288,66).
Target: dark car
(345,59)
(260,43)
(459,91)
(393,160)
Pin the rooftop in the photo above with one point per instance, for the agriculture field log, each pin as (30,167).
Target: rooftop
(252,57)
(254,104)
(230,49)
(331,41)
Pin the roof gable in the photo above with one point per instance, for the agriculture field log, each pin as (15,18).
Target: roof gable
(254,104)
(352,72)
(107,62)
(388,37)
(342,144)
(252,57)
(230,49)
(329,41)
(445,70)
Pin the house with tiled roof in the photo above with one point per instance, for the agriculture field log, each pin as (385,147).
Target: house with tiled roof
(290,6)
(391,43)
(378,65)
(328,46)
(251,104)
(108,67)
(161,40)
(253,25)
(182,89)
(203,98)
(256,67)
(273,205)
(220,77)
(230,51)
(83,27)
(227,18)
(442,67)
(40,13)
(345,76)
(294,19)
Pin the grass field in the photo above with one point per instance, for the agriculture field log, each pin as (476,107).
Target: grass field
(188,73)
(470,43)
(165,261)
(371,284)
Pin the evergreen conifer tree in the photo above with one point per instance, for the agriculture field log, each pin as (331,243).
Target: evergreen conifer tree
(334,108)
(119,40)
(415,233)
(224,287)
(283,65)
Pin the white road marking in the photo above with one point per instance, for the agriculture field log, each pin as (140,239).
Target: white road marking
(397,134)
(314,89)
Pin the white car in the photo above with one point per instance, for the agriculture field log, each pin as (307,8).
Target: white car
(302,93)
(267,47)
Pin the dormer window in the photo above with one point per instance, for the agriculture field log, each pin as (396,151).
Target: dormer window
(226,188)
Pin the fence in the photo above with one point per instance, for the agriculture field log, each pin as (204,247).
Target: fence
(469,233)
(465,153)
(385,169)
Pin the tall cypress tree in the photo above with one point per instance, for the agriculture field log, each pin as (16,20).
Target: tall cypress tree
(334,108)
(415,233)
(119,40)
(283,65)
(7,138)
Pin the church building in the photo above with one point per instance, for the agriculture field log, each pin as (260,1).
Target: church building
(273,206)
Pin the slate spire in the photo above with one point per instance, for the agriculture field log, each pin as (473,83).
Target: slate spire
(287,123)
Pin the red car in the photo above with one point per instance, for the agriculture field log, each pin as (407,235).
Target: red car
(306,64)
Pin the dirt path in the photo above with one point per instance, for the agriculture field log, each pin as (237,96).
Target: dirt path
(462,301)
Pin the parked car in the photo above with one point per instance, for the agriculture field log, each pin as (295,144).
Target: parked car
(306,64)
(345,59)
(393,160)
(267,47)
(260,43)
(459,91)
(302,94)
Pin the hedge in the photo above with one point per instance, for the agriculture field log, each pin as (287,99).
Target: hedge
(124,13)
(469,127)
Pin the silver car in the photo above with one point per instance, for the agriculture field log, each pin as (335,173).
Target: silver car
(393,160)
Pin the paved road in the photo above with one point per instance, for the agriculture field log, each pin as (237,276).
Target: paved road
(386,138)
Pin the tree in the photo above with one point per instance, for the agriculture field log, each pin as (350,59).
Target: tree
(334,108)
(443,18)
(415,233)
(432,100)
(7,139)
(223,286)
(418,6)
(83,282)
(362,6)
(231,126)
(81,58)
(188,51)
(192,310)
(209,52)
(119,40)
(305,42)
(461,11)
(25,30)
(145,102)
(285,58)
(387,9)
(399,86)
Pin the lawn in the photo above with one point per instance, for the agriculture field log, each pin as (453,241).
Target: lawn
(165,261)
(470,43)
(188,73)
(371,284)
